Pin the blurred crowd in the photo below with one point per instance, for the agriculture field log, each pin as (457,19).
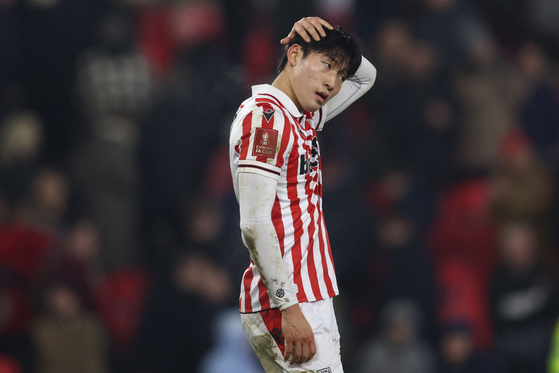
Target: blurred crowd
(120,249)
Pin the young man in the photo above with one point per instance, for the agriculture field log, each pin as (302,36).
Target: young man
(286,293)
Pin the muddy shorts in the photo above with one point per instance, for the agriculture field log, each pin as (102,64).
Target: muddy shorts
(263,330)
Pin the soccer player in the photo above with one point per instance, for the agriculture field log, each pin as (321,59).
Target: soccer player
(286,292)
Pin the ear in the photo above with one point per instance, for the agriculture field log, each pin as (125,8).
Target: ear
(294,54)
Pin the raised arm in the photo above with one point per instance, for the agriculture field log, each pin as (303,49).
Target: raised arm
(257,194)
(352,89)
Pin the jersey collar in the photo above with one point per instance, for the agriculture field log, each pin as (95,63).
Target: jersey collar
(279,95)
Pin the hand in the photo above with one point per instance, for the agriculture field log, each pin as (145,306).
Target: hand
(313,26)
(299,337)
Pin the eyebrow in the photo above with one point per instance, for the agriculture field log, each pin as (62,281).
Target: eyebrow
(333,60)
(336,63)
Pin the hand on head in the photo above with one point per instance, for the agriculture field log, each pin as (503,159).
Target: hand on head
(307,27)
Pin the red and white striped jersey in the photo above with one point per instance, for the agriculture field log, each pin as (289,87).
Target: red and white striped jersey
(271,137)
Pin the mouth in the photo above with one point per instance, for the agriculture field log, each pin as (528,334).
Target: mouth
(322,96)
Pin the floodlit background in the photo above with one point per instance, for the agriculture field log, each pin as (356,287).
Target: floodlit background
(120,249)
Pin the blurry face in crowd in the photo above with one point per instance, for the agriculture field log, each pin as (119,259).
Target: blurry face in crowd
(314,78)
(456,348)
(51,190)
(519,246)
(83,242)
(63,301)
(400,332)
(395,44)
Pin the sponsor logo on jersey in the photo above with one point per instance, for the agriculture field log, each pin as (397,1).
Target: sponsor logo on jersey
(309,164)
(280,293)
(265,141)
(324,370)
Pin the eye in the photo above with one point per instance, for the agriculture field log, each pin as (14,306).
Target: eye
(328,65)
(343,78)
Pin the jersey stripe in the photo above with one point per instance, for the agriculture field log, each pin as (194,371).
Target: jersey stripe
(313,276)
(278,224)
(263,295)
(325,255)
(296,250)
(245,139)
(247,282)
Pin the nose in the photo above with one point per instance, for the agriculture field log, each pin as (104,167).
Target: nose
(330,80)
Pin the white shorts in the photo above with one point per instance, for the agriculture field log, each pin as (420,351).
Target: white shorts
(263,330)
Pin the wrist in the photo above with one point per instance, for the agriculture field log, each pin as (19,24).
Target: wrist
(290,309)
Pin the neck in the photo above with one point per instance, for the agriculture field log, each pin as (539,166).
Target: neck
(283,83)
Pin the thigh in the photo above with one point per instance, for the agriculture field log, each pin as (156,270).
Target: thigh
(263,331)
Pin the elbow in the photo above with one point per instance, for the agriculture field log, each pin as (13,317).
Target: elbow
(372,74)
(367,73)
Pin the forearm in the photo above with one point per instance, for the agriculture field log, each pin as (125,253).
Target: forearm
(256,198)
(352,89)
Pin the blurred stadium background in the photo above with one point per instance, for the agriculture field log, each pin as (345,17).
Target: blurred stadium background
(119,242)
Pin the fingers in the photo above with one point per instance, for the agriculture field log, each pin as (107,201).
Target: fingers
(288,38)
(288,350)
(297,354)
(308,27)
(302,352)
(312,349)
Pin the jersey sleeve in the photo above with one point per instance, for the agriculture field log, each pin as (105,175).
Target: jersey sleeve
(352,89)
(264,142)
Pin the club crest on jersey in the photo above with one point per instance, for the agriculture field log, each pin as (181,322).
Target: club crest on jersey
(265,141)
(268,113)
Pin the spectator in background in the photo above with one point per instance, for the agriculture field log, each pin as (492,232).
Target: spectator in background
(398,268)
(543,17)
(67,338)
(398,348)
(21,141)
(462,239)
(524,189)
(113,77)
(175,329)
(539,110)
(522,186)
(450,25)
(16,313)
(117,296)
(26,243)
(490,96)
(523,301)
(422,136)
(114,83)
(231,351)
(77,262)
(458,354)
(46,203)
(182,127)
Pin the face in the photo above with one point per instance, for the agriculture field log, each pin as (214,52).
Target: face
(315,79)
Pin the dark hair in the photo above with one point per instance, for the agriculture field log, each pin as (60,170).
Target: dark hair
(337,45)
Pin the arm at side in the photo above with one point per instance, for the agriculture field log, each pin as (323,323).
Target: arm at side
(257,194)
